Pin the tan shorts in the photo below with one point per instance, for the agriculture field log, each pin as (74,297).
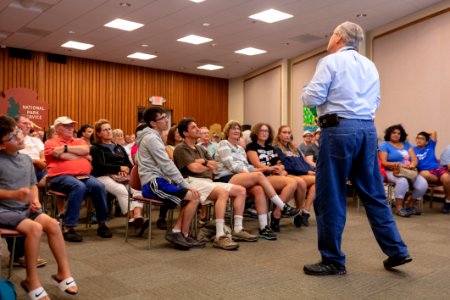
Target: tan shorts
(206,186)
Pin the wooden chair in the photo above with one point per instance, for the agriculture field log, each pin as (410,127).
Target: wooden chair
(135,183)
(433,188)
(14,234)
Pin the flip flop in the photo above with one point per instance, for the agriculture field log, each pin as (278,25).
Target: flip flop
(65,284)
(35,294)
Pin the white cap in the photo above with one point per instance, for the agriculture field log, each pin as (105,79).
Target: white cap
(307,132)
(63,120)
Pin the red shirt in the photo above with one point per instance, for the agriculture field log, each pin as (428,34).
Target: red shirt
(56,166)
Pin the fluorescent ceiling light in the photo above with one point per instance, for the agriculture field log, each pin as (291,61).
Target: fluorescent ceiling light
(194,39)
(77,45)
(210,67)
(250,51)
(271,16)
(143,56)
(124,25)
(197,1)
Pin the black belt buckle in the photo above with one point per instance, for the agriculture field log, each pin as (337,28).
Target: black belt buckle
(328,120)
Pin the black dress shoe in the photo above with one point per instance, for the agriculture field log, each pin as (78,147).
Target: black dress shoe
(323,268)
(393,262)
(103,232)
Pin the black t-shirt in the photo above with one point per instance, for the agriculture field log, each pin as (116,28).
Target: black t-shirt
(267,155)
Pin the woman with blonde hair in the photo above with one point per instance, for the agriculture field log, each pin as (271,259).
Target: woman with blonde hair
(262,156)
(296,166)
(233,167)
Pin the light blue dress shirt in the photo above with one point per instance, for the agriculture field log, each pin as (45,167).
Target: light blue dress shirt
(345,83)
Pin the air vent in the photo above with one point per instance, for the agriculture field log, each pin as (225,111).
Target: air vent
(20,53)
(34,31)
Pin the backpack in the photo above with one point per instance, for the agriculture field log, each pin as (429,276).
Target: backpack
(7,290)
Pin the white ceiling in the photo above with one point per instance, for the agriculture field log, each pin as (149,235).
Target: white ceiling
(44,25)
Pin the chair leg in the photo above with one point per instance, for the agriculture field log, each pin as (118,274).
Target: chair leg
(431,196)
(170,221)
(11,258)
(149,225)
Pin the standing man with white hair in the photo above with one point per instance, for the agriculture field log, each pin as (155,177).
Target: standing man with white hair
(346,91)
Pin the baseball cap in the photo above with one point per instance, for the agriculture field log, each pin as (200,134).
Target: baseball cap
(307,132)
(63,120)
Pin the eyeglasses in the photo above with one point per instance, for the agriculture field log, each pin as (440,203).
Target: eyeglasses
(161,118)
(13,136)
(264,130)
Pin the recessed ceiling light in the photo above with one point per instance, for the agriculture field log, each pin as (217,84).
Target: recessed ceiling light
(77,45)
(144,45)
(361,15)
(143,56)
(197,1)
(194,39)
(250,51)
(271,16)
(124,25)
(71,32)
(210,67)
(206,24)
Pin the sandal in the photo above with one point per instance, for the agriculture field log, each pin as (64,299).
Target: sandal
(35,294)
(65,284)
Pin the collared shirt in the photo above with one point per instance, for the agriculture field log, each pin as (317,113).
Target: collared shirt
(211,147)
(33,147)
(345,83)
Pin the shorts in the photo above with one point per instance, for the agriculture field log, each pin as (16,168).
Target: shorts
(224,179)
(206,186)
(438,172)
(160,189)
(11,218)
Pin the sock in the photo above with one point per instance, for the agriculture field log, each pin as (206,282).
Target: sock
(262,221)
(277,201)
(238,223)
(176,230)
(219,227)
(306,212)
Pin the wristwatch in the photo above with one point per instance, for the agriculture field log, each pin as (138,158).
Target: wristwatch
(65,148)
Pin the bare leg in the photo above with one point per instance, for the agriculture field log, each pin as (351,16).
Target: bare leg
(239,194)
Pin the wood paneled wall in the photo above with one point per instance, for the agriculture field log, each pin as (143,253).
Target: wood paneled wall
(87,90)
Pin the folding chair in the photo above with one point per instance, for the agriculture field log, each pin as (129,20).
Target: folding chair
(14,234)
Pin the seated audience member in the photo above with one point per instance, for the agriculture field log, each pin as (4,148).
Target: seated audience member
(85,133)
(197,167)
(297,167)
(307,142)
(118,139)
(173,139)
(311,156)
(245,138)
(69,169)
(216,138)
(162,180)
(205,142)
(234,168)
(429,166)
(262,156)
(49,133)
(445,158)
(111,166)
(394,153)
(134,149)
(20,209)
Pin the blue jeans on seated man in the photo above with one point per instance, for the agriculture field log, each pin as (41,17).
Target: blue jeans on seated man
(349,150)
(76,190)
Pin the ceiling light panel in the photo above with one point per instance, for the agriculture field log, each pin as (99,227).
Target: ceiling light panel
(197,1)
(142,56)
(210,67)
(124,25)
(250,51)
(77,45)
(271,16)
(194,39)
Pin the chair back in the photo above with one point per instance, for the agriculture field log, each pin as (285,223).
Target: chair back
(135,181)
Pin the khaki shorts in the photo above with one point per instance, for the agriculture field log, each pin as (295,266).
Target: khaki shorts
(206,186)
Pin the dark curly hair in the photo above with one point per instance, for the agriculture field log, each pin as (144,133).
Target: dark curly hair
(389,130)
(255,130)
(426,135)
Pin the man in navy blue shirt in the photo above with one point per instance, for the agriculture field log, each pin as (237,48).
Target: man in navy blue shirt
(345,89)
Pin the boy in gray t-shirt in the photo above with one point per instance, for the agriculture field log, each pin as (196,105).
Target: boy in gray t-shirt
(20,209)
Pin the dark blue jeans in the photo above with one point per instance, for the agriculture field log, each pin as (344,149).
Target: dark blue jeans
(76,190)
(349,150)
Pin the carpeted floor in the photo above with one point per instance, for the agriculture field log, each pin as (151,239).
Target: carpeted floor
(113,269)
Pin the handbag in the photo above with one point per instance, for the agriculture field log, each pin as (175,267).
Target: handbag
(120,179)
(409,174)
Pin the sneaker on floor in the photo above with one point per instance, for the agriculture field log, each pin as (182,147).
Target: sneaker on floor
(72,236)
(178,240)
(20,262)
(446,208)
(274,223)
(226,243)
(161,224)
(413,211)
(137,223)
(103,232)
(305,218)
(244,236)
(298,220)
(323,269)
(289,211)
(194,243)
(267,233)
(393,262)
(403,213)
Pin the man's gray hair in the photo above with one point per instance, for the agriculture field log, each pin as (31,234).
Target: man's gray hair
(352,34)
